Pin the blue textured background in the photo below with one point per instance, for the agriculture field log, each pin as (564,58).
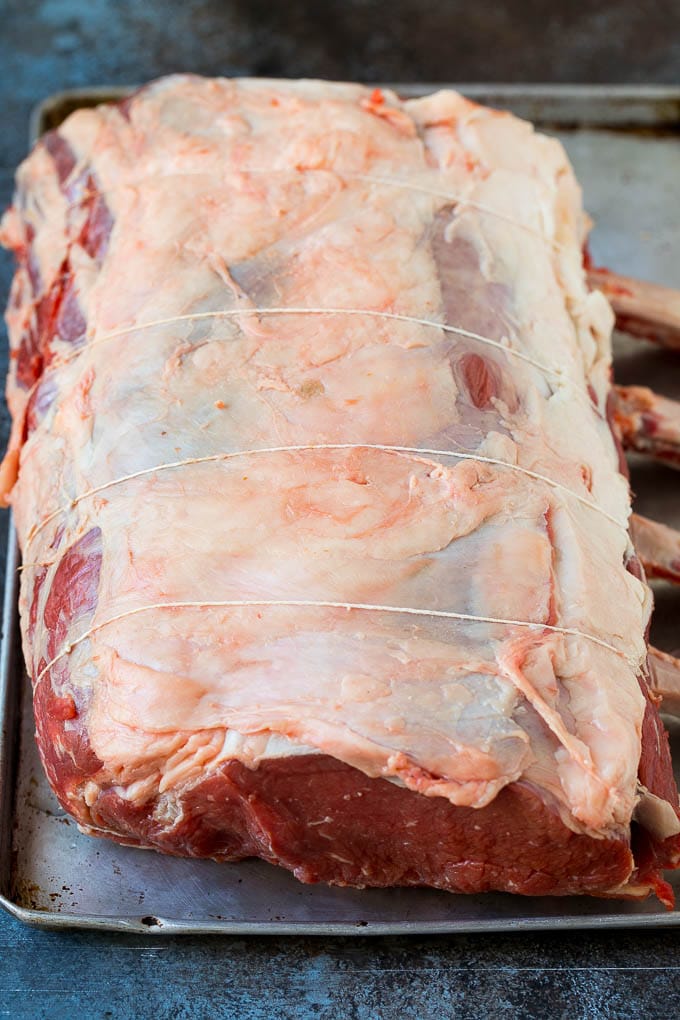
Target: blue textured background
(66,977)
(55,44)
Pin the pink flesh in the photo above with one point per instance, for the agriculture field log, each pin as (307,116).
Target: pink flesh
(208,196)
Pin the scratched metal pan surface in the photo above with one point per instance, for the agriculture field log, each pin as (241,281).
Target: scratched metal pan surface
(625,145)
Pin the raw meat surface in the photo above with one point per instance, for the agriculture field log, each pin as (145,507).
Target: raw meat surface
(317,493)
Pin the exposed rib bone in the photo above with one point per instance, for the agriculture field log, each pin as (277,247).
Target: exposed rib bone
(648,423)
(665,679)
(642,309)
(657,546)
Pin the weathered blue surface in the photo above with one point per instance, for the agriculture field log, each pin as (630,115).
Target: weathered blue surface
(56,44)
(615,976)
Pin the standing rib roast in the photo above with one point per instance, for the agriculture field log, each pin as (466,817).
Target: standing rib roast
(325,537)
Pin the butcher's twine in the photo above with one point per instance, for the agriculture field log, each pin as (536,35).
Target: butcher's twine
(230,313)
(410,451)
(458,200)
(349,606)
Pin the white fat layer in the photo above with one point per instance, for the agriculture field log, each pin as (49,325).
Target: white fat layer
(260,195)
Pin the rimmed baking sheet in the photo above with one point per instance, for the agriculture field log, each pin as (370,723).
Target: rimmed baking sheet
(625,145)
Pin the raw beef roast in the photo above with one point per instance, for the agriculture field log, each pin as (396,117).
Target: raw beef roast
(325,540)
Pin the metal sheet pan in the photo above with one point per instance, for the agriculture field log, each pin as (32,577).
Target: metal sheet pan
(625,145)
